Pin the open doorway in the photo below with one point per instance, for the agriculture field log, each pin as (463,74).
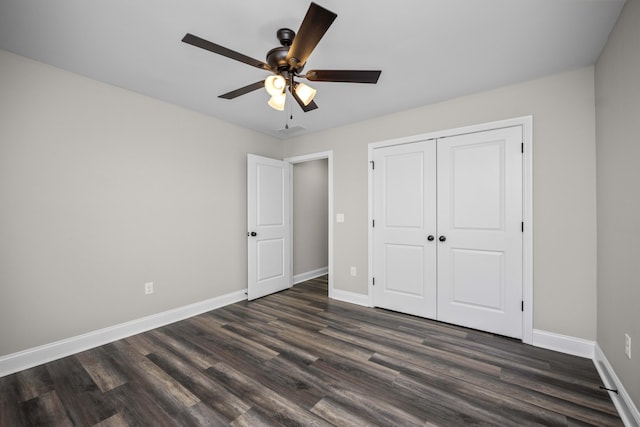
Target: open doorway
(311,213)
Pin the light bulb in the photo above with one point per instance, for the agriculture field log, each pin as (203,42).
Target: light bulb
(277,101)
(275,85)
(305,93)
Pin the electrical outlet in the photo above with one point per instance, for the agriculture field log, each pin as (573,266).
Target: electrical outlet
(353,271)
(627,345)
(148,288)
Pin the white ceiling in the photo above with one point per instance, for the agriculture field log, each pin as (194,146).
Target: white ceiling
(428,50)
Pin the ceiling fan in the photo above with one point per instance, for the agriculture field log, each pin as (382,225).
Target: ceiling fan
(287,61)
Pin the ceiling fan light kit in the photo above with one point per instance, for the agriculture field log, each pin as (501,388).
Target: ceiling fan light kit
(277,101)
(275,85)
(287,61)
(305,93)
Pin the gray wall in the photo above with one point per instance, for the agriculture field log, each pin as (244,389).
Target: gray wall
(102,190)
(617,85)
(564,184)
(310,216)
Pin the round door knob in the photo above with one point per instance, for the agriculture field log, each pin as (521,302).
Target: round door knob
(430,237)
(442,238)
(254,234)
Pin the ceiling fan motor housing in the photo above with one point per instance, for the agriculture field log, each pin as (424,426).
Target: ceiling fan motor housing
(277,57)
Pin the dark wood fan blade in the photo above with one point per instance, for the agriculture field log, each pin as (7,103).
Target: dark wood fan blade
(243,90)
(315,23)
(344,76)
(306,108)
(221,50)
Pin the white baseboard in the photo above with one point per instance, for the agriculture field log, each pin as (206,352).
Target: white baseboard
(29,358)
(625,406)
(302,277)
(350,297)
(563,343)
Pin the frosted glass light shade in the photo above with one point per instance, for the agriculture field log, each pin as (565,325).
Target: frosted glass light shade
(275,85)
(305,93)
(277,101)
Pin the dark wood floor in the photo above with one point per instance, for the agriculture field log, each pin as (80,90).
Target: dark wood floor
(297,358)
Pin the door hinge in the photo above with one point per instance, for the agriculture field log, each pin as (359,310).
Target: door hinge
(374,281)
(373,223)
(522,226)
(373,164)
(521,305)
(522,147)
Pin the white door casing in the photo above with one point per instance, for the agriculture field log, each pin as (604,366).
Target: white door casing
(328,155)
(268,226)
(405,214)
(480,272)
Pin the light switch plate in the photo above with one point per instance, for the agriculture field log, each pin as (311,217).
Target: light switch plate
(340,217)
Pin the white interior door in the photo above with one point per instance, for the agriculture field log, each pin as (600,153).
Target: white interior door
(405,215)
(480,216)
(269,241)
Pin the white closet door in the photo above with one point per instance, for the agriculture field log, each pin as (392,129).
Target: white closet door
(479,215)
(404,264)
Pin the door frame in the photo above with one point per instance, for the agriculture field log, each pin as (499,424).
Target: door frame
(307,158)
(527,200)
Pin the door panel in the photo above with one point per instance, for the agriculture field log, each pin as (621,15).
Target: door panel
(404,270)
(270,181)
(270,255)
(477,279)
(404,212)
(268,217)
(480,214)
(404,190)
(476,185)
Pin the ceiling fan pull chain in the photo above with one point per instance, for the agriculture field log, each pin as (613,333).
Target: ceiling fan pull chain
(286,116)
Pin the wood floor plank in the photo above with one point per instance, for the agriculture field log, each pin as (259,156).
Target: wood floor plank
(299,358)
(47,410)
(338,414)
(11,412)
(280,411)
(184,347)
(292,317)
(419,355)
(100,368)
(142,371)
(116,420)
(483,385)
(34,382)
(586,398)
(321,344)
(143,410)
(215,395)
(78,393)
(254,332)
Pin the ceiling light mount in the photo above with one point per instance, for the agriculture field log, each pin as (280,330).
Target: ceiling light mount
(285,35)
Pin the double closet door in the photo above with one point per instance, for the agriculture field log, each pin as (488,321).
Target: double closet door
(448,230)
